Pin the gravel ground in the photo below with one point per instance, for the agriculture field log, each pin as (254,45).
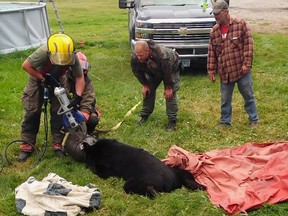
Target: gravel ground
(263,16)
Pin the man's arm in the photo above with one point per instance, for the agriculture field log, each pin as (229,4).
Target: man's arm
(27,66)
(79,85)
(211,61)
(168,72)
(248,45)
(138,71)
(88,101)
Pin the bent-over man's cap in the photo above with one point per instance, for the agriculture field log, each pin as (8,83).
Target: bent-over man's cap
(219,5)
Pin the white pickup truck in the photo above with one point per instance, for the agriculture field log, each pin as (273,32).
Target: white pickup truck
(183,25)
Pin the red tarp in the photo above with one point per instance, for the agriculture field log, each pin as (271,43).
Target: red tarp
(239,178)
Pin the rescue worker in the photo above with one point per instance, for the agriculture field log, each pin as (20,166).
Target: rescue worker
(88,103)
(47,66)
(151,64)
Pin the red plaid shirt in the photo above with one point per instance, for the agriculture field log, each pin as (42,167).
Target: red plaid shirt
(227,56)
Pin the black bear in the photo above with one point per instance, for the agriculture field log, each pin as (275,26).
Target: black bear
(144,173)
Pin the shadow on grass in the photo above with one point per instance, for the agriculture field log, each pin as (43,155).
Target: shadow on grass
(197,67)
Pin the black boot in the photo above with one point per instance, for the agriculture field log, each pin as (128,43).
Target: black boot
(23,156)
(59,153)
(142,120)
(171,125)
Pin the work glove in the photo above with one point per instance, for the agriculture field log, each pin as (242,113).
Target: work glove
(168,93)
(51,81)
(75,102)
(86,115)
(145,91)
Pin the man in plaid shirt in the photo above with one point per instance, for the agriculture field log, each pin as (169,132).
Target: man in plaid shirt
(230,54)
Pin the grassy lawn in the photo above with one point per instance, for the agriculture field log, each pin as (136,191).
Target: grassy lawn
(103,27)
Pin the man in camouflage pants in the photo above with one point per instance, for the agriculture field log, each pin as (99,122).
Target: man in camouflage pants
(151,64)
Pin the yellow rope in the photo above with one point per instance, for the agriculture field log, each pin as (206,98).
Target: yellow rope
(65,139)
(118,124)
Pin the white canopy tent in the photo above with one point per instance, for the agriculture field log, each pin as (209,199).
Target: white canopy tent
(23,25)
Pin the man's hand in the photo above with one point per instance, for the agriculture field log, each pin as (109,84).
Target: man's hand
(145,90)
(212,77)
(168,93)
(245,69)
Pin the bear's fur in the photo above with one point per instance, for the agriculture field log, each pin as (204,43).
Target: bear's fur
(144,173)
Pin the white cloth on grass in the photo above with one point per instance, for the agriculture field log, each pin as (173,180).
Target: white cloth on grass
(55,195)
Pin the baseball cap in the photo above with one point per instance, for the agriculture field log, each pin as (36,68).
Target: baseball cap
(218,6)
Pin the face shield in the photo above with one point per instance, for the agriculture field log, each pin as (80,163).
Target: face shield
(62,58)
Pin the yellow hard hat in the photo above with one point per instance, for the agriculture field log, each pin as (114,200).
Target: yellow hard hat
(61,49)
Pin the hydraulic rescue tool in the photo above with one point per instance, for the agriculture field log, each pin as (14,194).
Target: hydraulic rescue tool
(73,120)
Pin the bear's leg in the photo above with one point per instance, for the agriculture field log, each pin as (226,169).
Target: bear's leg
(136,186)
(189,181)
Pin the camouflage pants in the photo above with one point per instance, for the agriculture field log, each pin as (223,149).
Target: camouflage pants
(32,100)
(149,101)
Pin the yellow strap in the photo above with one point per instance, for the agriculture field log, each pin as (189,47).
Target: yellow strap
(65,139)
(118,124)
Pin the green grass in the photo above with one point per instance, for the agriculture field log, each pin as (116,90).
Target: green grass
(103,27)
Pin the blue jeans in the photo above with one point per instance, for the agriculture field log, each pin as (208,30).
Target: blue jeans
(245,86)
